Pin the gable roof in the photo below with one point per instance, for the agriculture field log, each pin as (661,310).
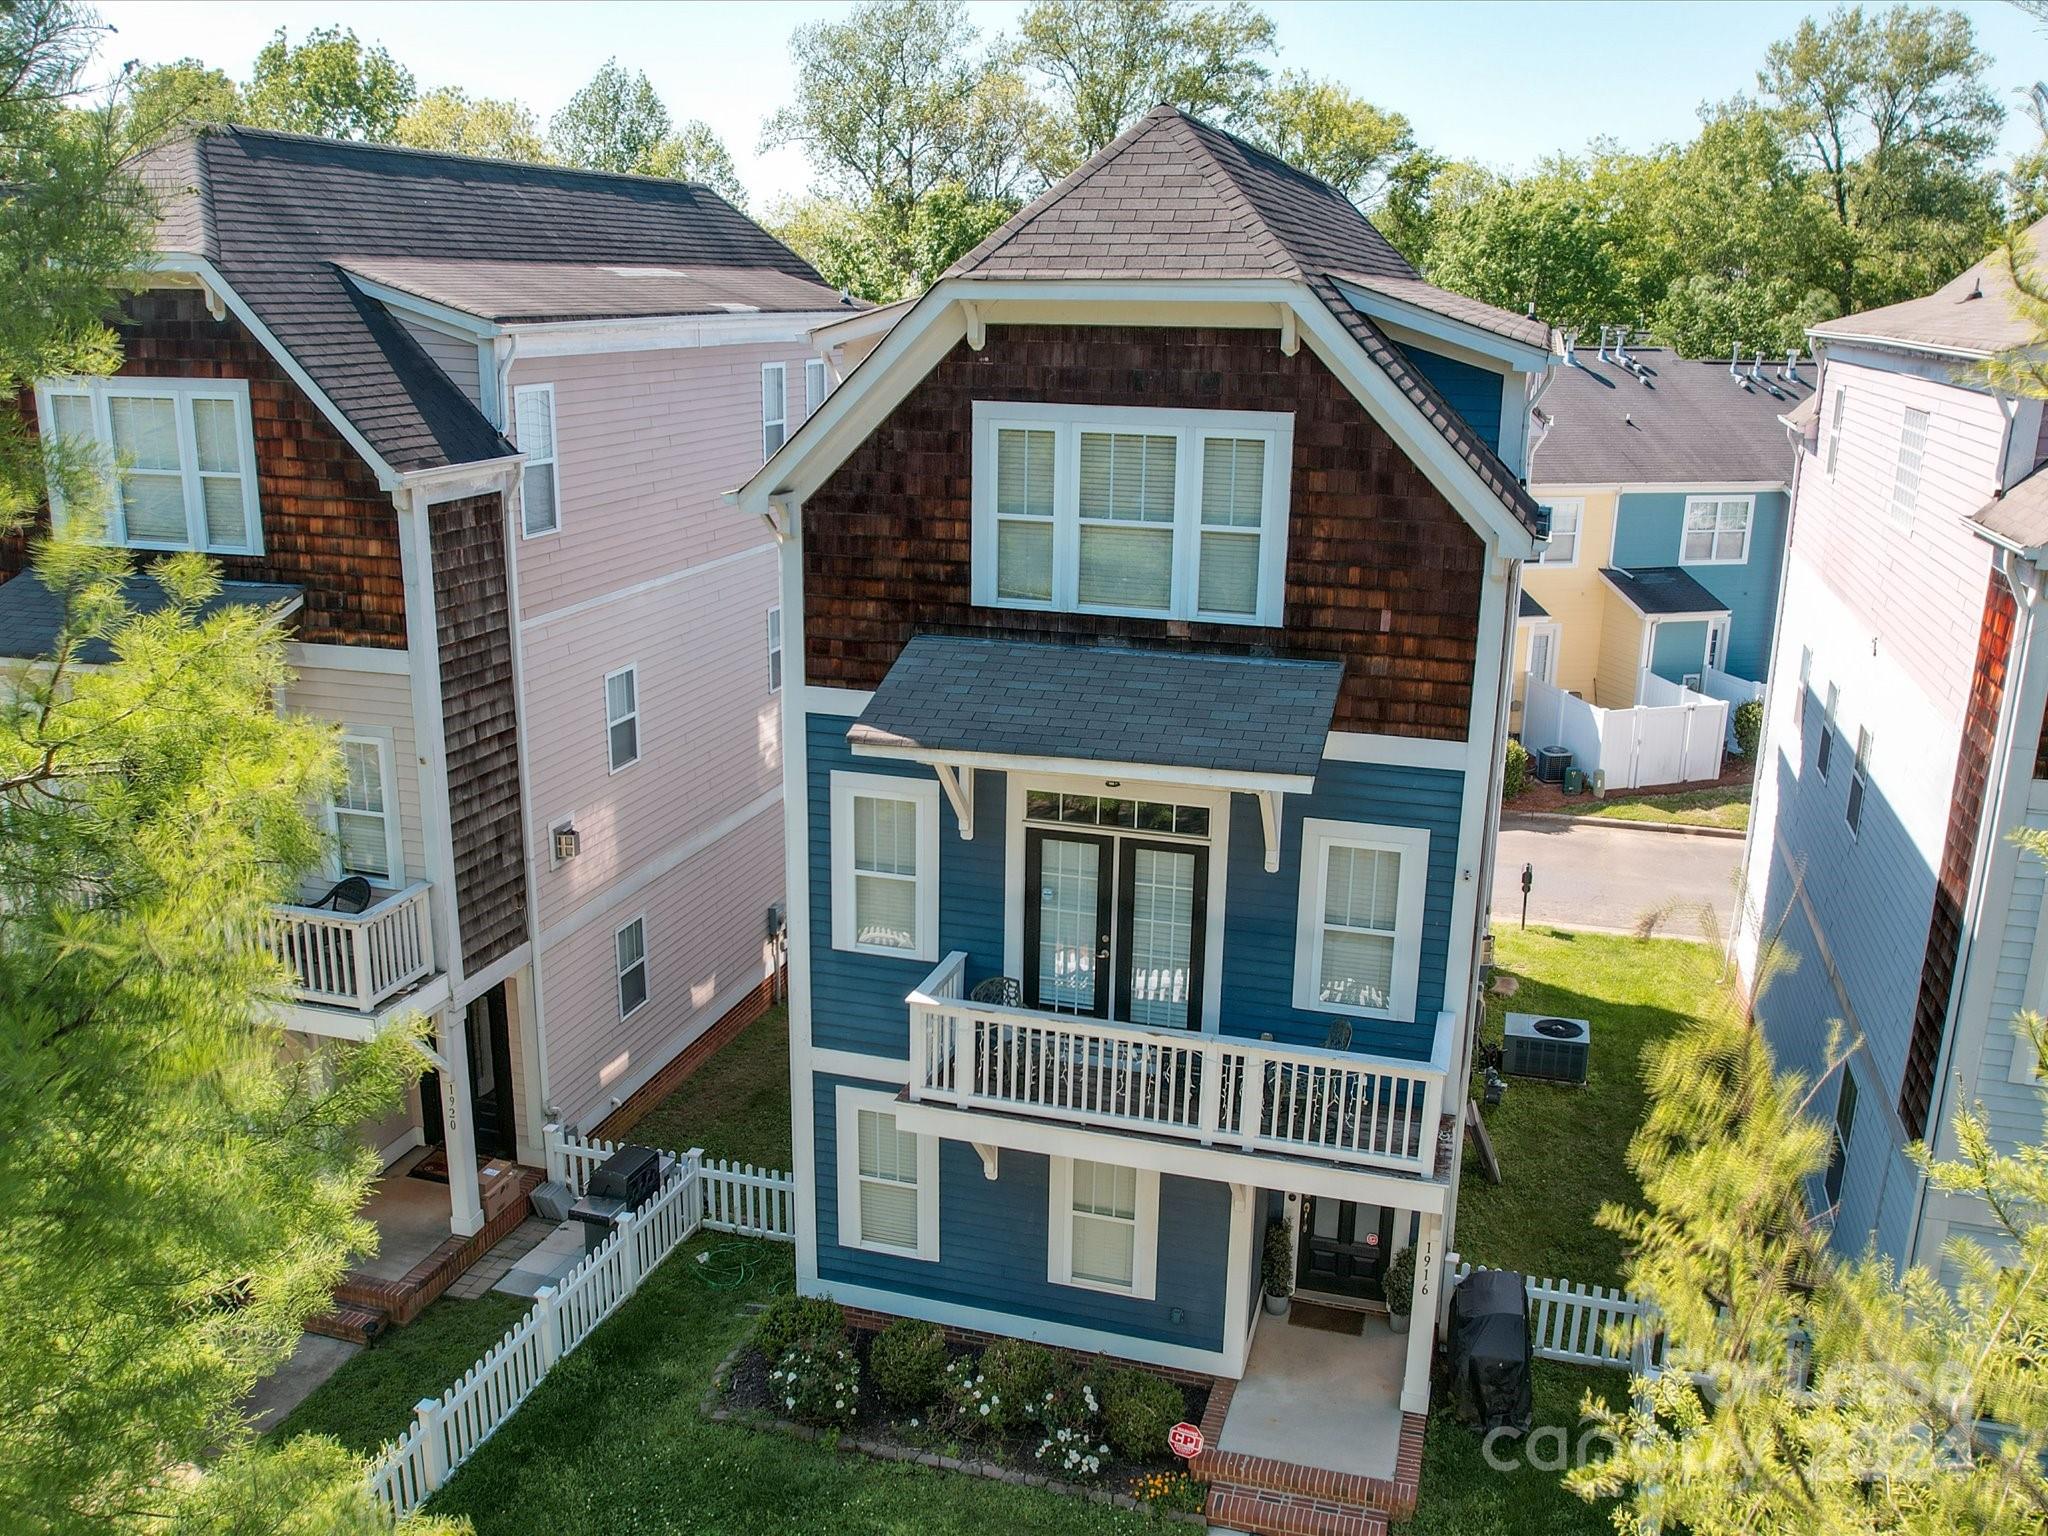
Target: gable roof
(1679,422)
(1971,314)
(1663,591)
(2019,517)
(283,217)
(1174,197)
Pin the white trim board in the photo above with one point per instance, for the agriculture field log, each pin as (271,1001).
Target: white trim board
(304,656)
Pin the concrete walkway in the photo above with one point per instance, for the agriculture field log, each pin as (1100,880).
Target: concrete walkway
(1608,876)
(1320,1399)
(277,1394)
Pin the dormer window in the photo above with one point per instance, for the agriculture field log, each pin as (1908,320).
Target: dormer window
(180,454)
(1121,510)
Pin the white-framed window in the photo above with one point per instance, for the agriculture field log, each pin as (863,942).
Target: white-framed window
(775,650)
(1567,513)
(629,952)
(1799,703)
(1835,428)
(1358,933)
(1859,783)
(888,1179)
(1716,530)
(1103,1228)
(362,811)
(1827,729)
(1132,510)
(180,455)
(622,716)
(1906,474)
(533,419)
(817,385)
(885,865)
(774,408)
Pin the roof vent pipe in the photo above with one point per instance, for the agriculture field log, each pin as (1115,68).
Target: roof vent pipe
(1735,362)
(1791,373)
(1570,339)
(1621,347)
(1756,368)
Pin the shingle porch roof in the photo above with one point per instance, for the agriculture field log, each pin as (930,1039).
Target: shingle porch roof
(949,695)
(1663,591)
(30,612)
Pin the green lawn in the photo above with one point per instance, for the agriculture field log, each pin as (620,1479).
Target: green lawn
(1562,1149)
(1725,805)
(370,1399)
(1462,1495)
(736,1105)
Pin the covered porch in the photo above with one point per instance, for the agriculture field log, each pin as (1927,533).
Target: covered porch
(1316,1394)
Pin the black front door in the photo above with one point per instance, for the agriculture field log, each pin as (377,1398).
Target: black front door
(489,1028)
(1115,920)
(1344,1247)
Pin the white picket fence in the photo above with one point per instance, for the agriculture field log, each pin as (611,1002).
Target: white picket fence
(1586,1324)
(1674,736)
(721,1196)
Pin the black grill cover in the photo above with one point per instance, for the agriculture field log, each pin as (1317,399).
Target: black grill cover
(1487,1351)
(631,1174)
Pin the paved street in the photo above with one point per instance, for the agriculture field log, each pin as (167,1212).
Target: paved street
(1594,876)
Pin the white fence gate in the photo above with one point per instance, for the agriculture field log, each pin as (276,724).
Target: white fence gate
(721,1196)
(1674,736)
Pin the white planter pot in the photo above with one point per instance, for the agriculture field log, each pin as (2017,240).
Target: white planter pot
(1277,1305)
(1398,1321)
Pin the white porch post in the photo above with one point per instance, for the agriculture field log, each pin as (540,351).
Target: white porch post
(1429,1264)
(458,1124)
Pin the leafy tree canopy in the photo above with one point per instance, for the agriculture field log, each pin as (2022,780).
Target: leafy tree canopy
(450,119)
(331,84)
(613,124)
(163,98)
(1332,133)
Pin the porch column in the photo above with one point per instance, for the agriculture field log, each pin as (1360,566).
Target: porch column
(1429,1265)
(458,1124)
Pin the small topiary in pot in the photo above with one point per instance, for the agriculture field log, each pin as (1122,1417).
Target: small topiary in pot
(817,1384)
(1138,1409)
(1399,1286)
(908,1363)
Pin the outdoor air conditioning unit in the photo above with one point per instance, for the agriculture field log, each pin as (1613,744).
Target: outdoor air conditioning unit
(1540,1046)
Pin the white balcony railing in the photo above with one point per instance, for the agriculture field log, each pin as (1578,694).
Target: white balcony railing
(355,960)
(1341,1106)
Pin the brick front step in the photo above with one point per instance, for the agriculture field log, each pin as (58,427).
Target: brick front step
(356,1325)
(1388,1497)
(1262,1512)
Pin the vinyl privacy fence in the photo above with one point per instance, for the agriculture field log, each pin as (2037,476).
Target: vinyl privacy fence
(1674,736)
(698,1192)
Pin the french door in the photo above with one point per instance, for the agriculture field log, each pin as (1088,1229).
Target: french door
(1115,923)
(1344,1247)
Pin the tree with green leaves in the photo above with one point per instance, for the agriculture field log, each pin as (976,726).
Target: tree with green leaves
(1539,244)
(1333,133)
(894,103)
(612,124)
(450,119)
(694,153)
(332,84)
(1103,64)
(1891,114)
(1804,1395)
(179,1181)
(164,98)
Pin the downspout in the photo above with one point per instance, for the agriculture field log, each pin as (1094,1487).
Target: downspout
(2026,595)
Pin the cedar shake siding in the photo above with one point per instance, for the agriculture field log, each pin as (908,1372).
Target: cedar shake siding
(1959,848)
(327,527)
(1382,573)
(472,616)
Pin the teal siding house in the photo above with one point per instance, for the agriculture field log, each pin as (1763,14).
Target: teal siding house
(1146,590)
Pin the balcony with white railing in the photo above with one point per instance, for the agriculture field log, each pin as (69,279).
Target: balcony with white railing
(1237,1094)
(355,960)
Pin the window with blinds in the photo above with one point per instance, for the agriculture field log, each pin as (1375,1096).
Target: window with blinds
(629,946)
(885,872)
(362,813)
(533,412)
(1716,530)
(1358,936)
(885,864)
(1177,514)
(888,1182)
(178,458)
(1104,1212)
(622,717)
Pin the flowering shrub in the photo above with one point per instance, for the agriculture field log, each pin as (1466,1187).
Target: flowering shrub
(974,1398)
(1072,1403)
(1073,1455)
(817,1384)
(1171,1490)
(1021,1371)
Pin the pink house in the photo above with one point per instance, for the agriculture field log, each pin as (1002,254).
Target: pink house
(470,425)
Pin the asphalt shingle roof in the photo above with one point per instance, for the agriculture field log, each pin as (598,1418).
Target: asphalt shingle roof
(30,612)
(282,214)
(1679,421)
(1173,197)
(1662,591)
(1104,704)
(2020,516)
(1972,314)
(1531,609)
(538,291)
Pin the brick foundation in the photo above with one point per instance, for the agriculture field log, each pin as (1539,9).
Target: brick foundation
(875,1322)
(403,1299)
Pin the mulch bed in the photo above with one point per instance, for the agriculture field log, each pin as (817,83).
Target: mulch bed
(1541,798)
(740,1393)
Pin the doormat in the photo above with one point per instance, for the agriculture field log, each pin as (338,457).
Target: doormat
(433,1167)
(1306,1314)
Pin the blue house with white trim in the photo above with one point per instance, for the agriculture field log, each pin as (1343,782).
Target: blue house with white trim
(1147,604)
